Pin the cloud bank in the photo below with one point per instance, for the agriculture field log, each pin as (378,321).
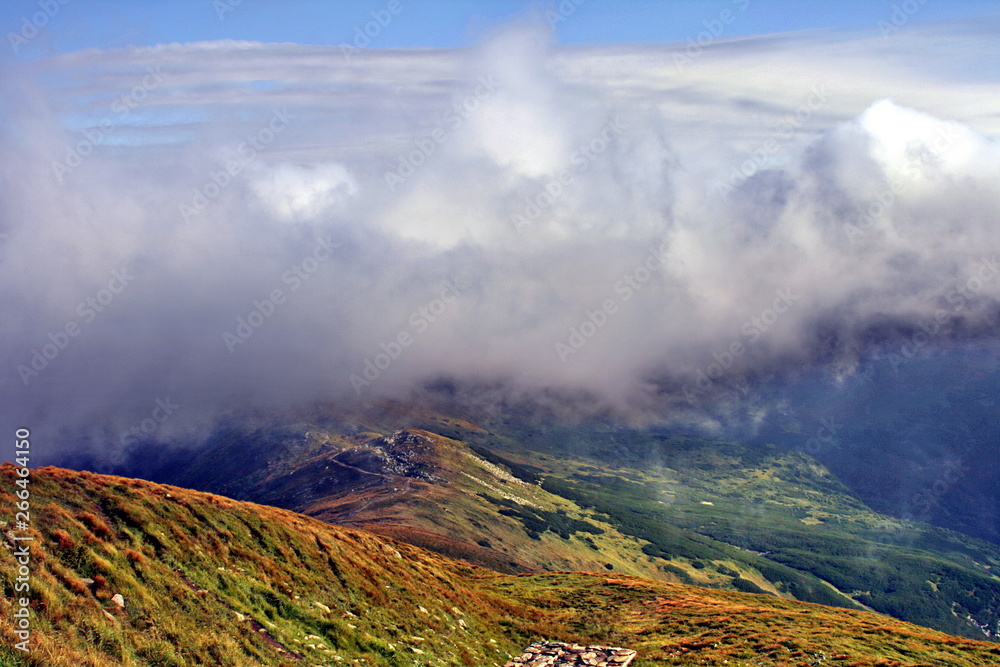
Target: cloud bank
(221,226)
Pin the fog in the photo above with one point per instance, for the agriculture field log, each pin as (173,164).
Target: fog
(193,229)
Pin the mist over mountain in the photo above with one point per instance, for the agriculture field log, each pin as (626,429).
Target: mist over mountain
(914,438)
(206,228)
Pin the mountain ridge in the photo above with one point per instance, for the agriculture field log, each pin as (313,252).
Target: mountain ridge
(200,575)
(520,495)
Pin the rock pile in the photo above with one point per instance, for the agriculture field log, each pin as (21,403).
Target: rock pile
(559,654)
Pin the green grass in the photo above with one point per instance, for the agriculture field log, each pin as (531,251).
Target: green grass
(695,500)
(683,509)
(197,570)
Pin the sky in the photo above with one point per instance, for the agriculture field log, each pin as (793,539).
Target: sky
(640,207)
(83,24)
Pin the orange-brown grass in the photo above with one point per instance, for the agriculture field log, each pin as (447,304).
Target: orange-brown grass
(673,624)
(449,546)
(208,580)
(197,571)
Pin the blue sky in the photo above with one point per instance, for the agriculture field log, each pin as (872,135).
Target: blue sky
(81,24)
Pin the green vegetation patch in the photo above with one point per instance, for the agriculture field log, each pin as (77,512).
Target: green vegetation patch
(537,521)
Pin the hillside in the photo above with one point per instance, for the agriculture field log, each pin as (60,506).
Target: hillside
(414,485)
(522,495)
(207,580)
(768,502)
(913,439)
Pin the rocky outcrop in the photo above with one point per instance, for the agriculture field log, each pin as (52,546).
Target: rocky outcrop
(559,654)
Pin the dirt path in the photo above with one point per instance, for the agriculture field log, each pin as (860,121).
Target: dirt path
(345,518)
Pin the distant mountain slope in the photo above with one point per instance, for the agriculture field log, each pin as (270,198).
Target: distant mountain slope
(207,580)
(781,505)
(522,495)
(913,436)
(414,485)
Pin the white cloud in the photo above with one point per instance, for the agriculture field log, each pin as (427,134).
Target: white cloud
(648,190)
(293,192)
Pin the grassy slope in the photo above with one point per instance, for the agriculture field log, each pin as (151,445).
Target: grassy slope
(201,573)
(197,570)
(767,501)
(679,509)
(470,506)
(460,505)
